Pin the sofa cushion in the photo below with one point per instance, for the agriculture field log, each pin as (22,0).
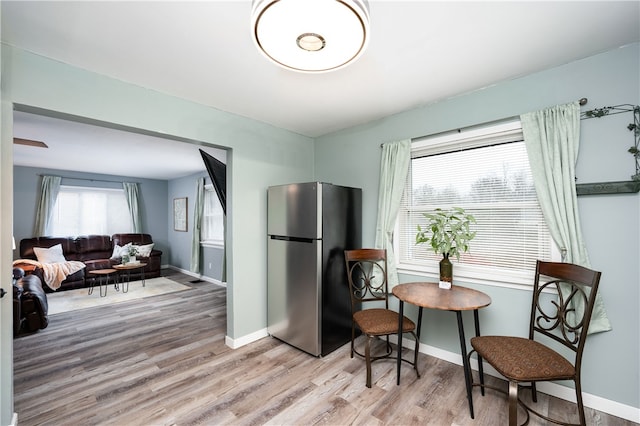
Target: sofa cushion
(49,255)
(91,247)
(137,239)
(27,245)
(119,251)
(92,243)
(144,250)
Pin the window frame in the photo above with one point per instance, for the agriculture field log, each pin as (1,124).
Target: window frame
(474,137)
(212,242)
(92,189)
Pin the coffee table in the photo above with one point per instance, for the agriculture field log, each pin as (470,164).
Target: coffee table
(124,270)
(102,275)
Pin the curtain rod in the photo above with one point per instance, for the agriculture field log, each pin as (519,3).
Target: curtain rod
(90,180)
(582,102)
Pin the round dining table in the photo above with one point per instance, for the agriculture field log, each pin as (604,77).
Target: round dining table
(456,299)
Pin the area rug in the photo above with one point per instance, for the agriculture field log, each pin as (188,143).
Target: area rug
(72,300)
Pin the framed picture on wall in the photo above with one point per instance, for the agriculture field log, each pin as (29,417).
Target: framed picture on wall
(180,214)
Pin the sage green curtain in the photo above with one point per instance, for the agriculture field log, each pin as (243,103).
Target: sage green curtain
(132,193)
(49,189)
(224,250)
(394,166)
(198,209)
(552,138)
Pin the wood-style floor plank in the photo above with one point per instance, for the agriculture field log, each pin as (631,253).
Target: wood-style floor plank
(162,361)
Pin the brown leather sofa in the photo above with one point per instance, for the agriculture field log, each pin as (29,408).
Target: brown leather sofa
(94,251)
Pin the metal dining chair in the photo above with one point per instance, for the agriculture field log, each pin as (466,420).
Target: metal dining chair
(367,276)
(553,321)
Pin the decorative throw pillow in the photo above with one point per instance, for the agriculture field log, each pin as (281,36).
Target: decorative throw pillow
(49,255)
(118,251)
(145,250)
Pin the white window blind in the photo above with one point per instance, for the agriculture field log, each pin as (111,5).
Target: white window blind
(485,171)
(212,218)
(87,211)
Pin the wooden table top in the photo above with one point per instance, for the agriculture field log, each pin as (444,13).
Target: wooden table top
(430,295)
(130,266)
(102,271)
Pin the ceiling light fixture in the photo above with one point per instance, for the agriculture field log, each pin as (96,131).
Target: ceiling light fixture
(311,35)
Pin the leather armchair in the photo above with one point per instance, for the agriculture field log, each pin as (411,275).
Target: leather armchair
(30,306)
(17,296)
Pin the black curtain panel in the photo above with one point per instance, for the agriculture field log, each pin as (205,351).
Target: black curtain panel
(218,173)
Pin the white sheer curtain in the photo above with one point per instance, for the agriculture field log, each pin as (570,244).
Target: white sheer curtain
(49,188)
(552,138)
(394,166)
(131,193)
(197,226)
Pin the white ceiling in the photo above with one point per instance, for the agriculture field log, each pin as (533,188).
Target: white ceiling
(82,147)
(419,52)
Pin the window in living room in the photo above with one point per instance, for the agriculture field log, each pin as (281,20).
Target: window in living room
(212,219)
(88,210)
(484,170)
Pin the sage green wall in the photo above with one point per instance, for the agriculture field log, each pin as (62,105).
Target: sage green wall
(610,222)
(259,156)
(180,256)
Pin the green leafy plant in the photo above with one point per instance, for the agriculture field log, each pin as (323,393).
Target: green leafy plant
(132,250)
(448,231)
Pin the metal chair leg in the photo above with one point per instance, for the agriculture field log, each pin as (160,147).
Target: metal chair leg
(583,420)
(513,403)
(353,338)
(399,357)
(367,355)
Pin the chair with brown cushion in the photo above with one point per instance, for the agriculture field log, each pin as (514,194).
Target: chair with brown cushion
(367,276)
(553,321)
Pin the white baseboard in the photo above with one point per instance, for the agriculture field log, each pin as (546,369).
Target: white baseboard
(198,276)
(614,408)
(14,420)
(245,340)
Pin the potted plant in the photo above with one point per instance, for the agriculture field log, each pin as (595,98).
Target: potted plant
(447,232)
(132,251)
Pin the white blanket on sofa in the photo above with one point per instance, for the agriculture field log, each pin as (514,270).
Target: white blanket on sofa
(54,273)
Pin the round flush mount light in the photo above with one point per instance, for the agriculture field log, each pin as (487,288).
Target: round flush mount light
(310,35)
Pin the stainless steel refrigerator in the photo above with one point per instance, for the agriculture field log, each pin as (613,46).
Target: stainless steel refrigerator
(309,225)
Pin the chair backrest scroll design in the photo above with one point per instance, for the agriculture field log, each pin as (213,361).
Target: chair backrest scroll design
(367,276)
(559,319)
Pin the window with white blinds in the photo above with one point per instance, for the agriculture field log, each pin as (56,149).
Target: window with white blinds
(86,211)
(212,219)
(486,171)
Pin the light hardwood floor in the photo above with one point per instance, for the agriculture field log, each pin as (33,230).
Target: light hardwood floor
(163,361)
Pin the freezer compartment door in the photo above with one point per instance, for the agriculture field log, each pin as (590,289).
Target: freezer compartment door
(293,210)
(294,293)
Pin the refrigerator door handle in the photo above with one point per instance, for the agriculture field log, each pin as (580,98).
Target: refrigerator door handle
(300,240)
